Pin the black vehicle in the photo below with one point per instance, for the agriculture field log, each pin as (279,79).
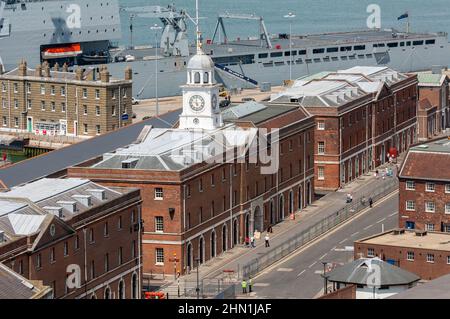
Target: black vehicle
(224,103)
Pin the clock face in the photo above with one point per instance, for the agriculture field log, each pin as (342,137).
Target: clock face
(197,103)
(214,101)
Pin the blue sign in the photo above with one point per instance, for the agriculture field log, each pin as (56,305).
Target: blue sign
(125,117)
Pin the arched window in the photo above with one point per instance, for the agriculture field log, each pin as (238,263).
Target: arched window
(206,77)
(197,77)
(213,244)
(281,210)
(224,238)
(121,289)
(134,286)
(201,250)
(291,202)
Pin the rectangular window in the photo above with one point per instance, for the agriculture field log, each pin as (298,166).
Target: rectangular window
(42,89)
(53,104)
(16,104)
(16,122)
(321,173)
(410,205)
(212,180)
(52,255)
(85,128)
(52,90)
(447,208)
(63,107)
(370,252)
(15,87)
(120,255)
(430,207)
(91,236)
(106,262)
(5,121)
(318,51)
(432,41)
(159,256)
(410,256)
(4,103)
(92,269)
(97,94)
(448,260)
(447,188)
(38,261)
(200,185)
(159,224)
(63,91)
(429,227)
(159,193)
(276,54)
(66,249)
(321,148)
(106,230)
(42,105)
(85,94)
(430,258)
(98,129)
(29,104)
(410,185)
(97,110)
(321,125)
(3,87)
(430,187)
(77,243)
(85,109)
(119,223)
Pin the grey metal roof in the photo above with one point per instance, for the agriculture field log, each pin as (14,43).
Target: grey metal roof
(14,286)
(439,146)
(434,289)
(58,160)
(358,272)
(241,110)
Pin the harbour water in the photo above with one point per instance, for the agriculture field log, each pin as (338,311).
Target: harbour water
(312,16)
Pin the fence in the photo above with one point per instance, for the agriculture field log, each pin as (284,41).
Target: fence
(210,288)
(275,254)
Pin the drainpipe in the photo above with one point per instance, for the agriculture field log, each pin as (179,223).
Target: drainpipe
(85,263)
(120,106)
(139,243)
(231,199)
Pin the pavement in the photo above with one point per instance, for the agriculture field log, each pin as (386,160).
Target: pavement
(234,259)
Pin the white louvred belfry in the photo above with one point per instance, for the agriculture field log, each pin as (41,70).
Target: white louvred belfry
(201,92)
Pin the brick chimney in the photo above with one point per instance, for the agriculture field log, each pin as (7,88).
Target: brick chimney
(79,74)
(23,68)
(38,71)
(104,75)
(46,69)
(128,73)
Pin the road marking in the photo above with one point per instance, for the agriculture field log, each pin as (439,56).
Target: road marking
(285,269)
(332,249)
(343,241)
(318,272)
(323,256)
(261,284)
(381,220)
(368,227)
(354,234)
(303,271)
(312,265)
(393,214)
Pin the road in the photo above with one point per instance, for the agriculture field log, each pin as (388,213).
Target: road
(299,275)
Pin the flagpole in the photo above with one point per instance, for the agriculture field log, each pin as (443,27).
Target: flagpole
(407,22)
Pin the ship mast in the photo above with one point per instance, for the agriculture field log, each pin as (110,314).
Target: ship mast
(199,34)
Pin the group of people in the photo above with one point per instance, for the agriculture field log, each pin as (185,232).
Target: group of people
(363,200)
(251,242)
(246,284)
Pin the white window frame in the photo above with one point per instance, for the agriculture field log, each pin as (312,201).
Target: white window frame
(429,227)
(321,126)
(430,258)
(84,93)
(430,187)
(97,94)
(448,260)
(409,187)
(159,193)
(410,256)
(159,255)
(370,252)
(159,224)
(408,208)
(321,173)
(447,188)
(42,89)
(319,146)
(427,208)
(63,91)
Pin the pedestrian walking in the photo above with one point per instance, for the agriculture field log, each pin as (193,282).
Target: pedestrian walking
(253,242)
(370,202)
(250,284)
(267,238)
(247,241)
(270,230)
(244,287)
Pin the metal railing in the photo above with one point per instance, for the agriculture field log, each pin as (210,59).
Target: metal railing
(298,240)
(210,288)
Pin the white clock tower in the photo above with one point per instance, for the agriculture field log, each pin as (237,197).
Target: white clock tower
(201,93)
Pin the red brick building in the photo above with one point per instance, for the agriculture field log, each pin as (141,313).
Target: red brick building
(424,188)
(360,114)
(434,111)
(204,189)
(427,254)
(52,230)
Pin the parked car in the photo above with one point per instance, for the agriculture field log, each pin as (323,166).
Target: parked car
(146,118)
(248,99)
(134,101)
(224,103)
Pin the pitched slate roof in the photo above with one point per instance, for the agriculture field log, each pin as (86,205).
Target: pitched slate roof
(358,272)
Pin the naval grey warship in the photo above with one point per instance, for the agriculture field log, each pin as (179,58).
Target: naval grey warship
(87,33)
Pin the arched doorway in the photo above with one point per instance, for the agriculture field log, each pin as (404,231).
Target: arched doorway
(291,202)
(134,286)
(258,219)
(201,250)
(189,257)
(213,244)
(121,292)
(247,225)
(281,208)
(107,293)
(300,198)
(235,232)
(272,213)
(224,238)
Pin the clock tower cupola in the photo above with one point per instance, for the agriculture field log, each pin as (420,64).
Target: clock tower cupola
(201,93)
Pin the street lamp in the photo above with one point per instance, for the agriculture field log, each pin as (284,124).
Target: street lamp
(325,281)
(290,16)
(156,28)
